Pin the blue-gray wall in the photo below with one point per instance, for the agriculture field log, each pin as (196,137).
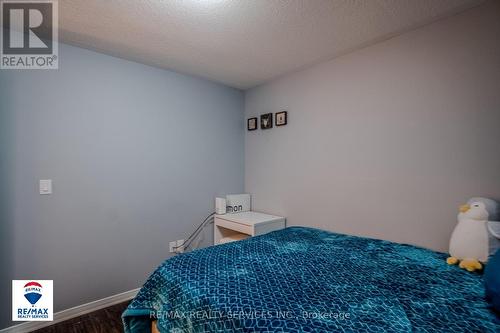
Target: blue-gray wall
(136,155)
(386,141)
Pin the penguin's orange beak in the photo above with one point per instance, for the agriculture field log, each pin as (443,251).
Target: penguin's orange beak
(464,208)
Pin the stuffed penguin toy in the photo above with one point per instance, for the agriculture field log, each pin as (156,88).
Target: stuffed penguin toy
(476,235)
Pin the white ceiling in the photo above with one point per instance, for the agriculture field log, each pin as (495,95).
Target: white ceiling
(241,43)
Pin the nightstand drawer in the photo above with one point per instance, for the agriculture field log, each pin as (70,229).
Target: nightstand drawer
(245,229)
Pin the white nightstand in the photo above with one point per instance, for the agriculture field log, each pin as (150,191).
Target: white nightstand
(233,227)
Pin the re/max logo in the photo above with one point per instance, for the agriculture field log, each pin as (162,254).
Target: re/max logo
(32,311)
(32,300)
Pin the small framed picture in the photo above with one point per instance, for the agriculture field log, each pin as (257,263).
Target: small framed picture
(266,121)
(252,124)
(281,118)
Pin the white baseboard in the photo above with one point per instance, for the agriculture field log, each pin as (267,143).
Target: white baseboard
(72,312)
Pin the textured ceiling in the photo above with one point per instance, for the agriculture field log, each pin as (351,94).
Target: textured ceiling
(241,43)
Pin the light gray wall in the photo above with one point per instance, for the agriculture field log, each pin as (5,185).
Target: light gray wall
(387,141)
(136,154)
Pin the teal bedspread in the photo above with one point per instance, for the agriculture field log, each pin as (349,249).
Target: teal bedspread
(308,280)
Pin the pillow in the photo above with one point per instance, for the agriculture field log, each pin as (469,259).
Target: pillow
(492,281)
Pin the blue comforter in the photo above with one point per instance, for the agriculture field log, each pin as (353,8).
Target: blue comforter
(308,280)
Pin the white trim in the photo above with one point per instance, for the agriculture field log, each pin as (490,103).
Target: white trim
(72,312)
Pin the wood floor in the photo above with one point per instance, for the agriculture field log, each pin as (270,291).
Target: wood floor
(107,320)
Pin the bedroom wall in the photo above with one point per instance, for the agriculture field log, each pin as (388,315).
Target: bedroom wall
(130,149)
(387,141)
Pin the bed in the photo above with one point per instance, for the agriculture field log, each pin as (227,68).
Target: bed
(308,280)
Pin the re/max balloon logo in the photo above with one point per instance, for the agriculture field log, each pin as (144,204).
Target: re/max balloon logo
(33,292)
(32,300)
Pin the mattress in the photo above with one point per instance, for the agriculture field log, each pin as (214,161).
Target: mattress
(308,280)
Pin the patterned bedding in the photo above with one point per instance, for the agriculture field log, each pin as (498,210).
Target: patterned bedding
(308,280)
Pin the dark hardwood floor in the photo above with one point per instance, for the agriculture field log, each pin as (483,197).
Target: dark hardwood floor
(107,320)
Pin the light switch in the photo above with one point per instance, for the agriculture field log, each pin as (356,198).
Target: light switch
(45,186)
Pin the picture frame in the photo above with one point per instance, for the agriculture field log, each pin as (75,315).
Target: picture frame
(252,124)
(281,118)
(266,121)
